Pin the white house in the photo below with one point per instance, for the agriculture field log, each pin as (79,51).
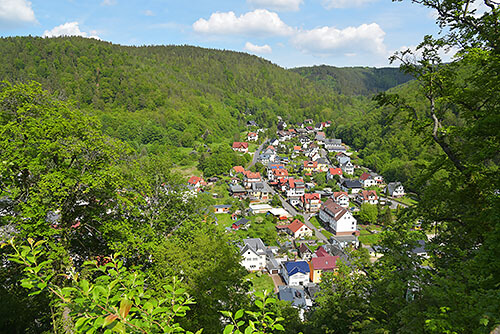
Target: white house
(347,168)
(334,145)
(341,198)
(298,229)
(253,254)
(295,273)
(295,189)
(340,219)
(395,189)
(367,196)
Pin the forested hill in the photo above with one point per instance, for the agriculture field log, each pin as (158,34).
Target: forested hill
(355,80)
(167,94)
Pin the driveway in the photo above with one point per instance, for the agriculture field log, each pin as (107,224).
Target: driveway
(256,154)
(277,281)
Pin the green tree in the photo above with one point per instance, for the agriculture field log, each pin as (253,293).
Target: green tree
(368,213)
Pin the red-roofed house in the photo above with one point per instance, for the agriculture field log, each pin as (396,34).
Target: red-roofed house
(298,229)
(252,136)
(237,170)
(295,189)
(341,198)
(196,182)
(367,196)
(311,202)
(240,147)
(250,178)
(367,180)
(318,265)
(332,172)
(310,166)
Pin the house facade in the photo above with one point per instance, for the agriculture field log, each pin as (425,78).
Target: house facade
(338,218)
(253,254)
(295,273)
(395,189)
(341,198)
(311,202)
(241,147)
(367,196)
(318,265)
(298,230)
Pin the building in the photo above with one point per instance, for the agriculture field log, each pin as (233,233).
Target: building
(334,145)
(367,196)
(295,273)
(341,198)
(395,189)
(295,189)
(252,136)
(338,218)
(347,168)
(298,229)
(311,202)
(320,264)
(352,186)
(259,191)
(222,208)
(251,178)
(241,147)
(253,254)
(332,172)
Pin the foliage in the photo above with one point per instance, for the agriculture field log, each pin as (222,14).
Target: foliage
(368,213)
(115,298)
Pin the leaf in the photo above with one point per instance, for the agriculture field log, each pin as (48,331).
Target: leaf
(238,314)
(118,327)
(80,322)
(125,306)
(109,319)
(226,314)
(228,329)
(248,330)
(279,327)
(259,304)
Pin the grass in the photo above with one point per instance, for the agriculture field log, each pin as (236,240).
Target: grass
(224,220)
(315,222)
(264,282)
(406,200)
(326,233)
(368,238)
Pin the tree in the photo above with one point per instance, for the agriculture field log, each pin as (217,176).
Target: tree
(368,213)
(275,201)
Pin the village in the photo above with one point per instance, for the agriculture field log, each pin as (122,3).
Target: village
(300,200)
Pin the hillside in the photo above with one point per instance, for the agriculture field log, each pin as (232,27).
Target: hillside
(153,96)
(355,80)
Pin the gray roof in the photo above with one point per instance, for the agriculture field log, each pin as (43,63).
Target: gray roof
(223,206)
(294,295)
(332,141)
(391,187)
(236,188)
(261,186)
(255,243)
(351,183)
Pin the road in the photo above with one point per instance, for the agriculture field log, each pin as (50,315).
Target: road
(394,204)
(287,206)
(256,154)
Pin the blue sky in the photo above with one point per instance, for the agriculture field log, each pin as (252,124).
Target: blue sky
(289,33)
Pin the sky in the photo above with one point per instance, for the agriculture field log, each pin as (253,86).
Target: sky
(289,33)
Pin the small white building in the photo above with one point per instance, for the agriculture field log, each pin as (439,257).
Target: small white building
(347,168)
(295,273)
(395,189)
(340,219)
(341,198)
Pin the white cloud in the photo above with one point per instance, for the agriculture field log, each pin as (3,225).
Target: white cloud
(329,40)
(69,29)
(108,2)
(257,49)
(279,5)
(13,12)
(259,22)
(149,12)
(329,4)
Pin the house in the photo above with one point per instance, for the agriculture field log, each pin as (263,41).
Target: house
(243,222)
(318,265)
(237,170)
(334,145)
(295,189)
(318,127)
(271,171)
(338,218)
(342,158)
(311,202)
(296,151)
(310,166)
(223,208)
(347,168)
(196,182)
(281,125)
(237,191)
(320,137)
(252,123)
(252,136)
(368,179)
(305,252)
(251,177)
(253,254)
(332,172)
(259,191)
(294,295)
(298,229)
(295,273)
(241,147)
(341,198)
(308,121)
(367,196)
(267,156)
(395,189)
(354,186)
(323,165)
(309,129)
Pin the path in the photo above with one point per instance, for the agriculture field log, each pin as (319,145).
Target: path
(256,154)
(277,281)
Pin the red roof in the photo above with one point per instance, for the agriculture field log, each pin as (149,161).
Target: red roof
(296,225)
(320,252)
(367,193)
(252,134)
(280,172)
(238,144)
(324,262)
(310,164)
(338,194)
(335,171)
(364,176)
(239,169)
(251,175)
(311,197)
(297,148)
(195,179)
(292,181)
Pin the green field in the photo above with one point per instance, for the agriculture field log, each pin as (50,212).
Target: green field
(262,283)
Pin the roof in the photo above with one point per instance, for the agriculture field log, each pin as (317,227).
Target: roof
(321,252)
(241,221)
(296,225)
(255,244)
(195,179)
(295,183)
(365,194)
(223,206)
(309,164)
(391,187)
(335,171)
(297,267)
(297,148)
(291,294)
(238,144)
(333,141)
(236,188)
(324,262)
(239,169)
(251,175)
(333,209)
(352,183)
(311,196)
(365,176)
(303,248)
(339,194)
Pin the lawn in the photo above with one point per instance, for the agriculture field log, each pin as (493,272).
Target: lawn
(224,220)
(367,238)
(406,200)
(326,233)
(264,282)
(315,222)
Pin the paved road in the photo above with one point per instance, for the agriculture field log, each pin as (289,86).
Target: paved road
(394,204)
(256,154)
(287,206)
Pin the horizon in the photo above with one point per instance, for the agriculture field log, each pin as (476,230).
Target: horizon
(288,33)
